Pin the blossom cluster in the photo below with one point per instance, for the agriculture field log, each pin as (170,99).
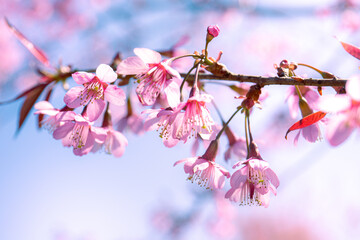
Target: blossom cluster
(86,123)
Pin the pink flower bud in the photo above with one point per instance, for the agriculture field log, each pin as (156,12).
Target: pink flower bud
(213,30)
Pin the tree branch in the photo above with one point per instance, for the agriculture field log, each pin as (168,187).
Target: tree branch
(263,81)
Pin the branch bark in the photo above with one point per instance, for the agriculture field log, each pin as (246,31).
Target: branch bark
(263,81)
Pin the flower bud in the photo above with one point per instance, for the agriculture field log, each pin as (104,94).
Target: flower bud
(284,64)
(212,32)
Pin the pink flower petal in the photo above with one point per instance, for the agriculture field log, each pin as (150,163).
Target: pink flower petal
(338,129)
(202,165)
(66,116)
(82,77)
(311,133)
(293,103)
(238,178)
(99,134)
(148,55)
(105,73)
(171,71)
(119,144)
(94,109)
(115,95)
(90,140)
(132,65)
(43,105)
(172,92)
(170,142)
(63,130)
(353,88)
(271,175)
(46,108)
(312,97)
(72,97)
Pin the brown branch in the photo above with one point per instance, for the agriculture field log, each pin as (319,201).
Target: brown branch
(263,81)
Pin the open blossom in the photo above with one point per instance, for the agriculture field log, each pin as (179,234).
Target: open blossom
(154,76)
(347,110)
(163,120)
(204,170)
(95,91)
(206,173)
(252,184)
(78,132)
(187,119)
(196,118)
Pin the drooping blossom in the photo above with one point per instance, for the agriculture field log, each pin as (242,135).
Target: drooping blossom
(115,142)
(347,112)
(237,148)
(196,118)
(154,76)
(77,131)
(306,105)
(186,120)
(252,184)
(205,139)
(292,98)
(237,145)
(204,170)
(95,91)
(163,121)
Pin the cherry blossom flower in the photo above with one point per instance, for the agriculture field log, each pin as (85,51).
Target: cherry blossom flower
(238,148)
(205,139)
(204,170)
(96,89)
(78,132)
(163,120)
(237,145)
(186,120)
(347,110)
(46,108)
(311,133)
(252,184)
(206,173)
(292,98)
(154,76)
(196,118)
(134,122)
(114,143)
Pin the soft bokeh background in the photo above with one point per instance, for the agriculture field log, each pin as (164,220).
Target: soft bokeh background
(47,193)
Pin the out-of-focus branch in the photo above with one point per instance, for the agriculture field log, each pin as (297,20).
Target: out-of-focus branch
(263,81)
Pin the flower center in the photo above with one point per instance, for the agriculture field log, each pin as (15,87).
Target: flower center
(93,90)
